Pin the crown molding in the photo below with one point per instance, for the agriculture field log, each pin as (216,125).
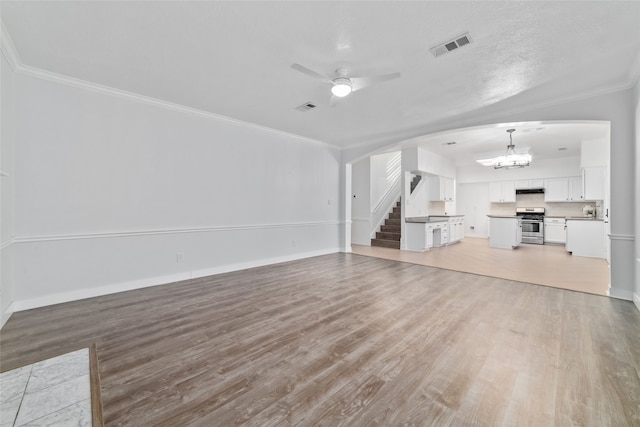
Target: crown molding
(38,73)
(634,72)
(8,49)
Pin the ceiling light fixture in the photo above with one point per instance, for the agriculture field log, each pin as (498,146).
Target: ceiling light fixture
(341,87)
(511,160)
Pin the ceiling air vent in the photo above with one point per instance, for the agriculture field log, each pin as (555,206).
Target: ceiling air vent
(305,107)
(450,45)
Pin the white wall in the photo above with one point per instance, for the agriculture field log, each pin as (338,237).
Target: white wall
(385,170)
(109,190)
(418,159)
(7,136)
(473,202)
(361,202)
(636,101)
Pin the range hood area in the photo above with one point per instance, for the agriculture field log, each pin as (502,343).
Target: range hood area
(530,191)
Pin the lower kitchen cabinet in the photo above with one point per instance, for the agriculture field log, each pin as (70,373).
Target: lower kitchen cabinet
(456,226)
(555,230)
(422,236)
(586,238)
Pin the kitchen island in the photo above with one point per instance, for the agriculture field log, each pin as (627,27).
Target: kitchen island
(586,237)
(505,231)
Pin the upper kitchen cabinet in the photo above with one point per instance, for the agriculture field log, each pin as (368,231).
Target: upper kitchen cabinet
(502,192)
(594,179)
(563,190)
(441,189)
(529,184)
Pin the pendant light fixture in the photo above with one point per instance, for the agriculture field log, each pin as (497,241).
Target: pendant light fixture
(511,160)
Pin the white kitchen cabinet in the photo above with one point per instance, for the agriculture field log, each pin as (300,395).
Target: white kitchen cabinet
(441,189)
(422,236)
(585,237)
(563,190)
(555,230)
(576,192)
(505,232)
(502,192)
(529,183)
(456,227)
(594,179)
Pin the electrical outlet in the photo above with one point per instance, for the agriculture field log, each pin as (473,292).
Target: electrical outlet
(180,257)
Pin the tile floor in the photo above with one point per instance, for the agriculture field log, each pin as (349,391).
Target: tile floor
(53,392)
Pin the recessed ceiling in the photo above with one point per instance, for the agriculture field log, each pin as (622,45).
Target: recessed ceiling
(544,140)
(233,58)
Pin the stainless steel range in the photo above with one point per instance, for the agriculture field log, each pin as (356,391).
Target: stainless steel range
(532,225)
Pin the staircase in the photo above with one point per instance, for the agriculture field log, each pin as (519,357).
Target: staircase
(389,234)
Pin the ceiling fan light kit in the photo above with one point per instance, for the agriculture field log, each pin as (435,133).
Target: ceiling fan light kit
(341,87)
(341,84)
(511,160)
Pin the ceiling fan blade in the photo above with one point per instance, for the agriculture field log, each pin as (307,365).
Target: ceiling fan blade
(358,83)
(310,73)
(333,101)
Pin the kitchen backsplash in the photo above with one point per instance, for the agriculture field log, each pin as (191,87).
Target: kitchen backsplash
(536,201)
(437,208)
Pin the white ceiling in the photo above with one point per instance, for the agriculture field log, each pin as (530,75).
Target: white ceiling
(544,140)
(233,58)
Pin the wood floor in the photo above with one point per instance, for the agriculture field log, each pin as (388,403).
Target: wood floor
(548,265)
(345,339)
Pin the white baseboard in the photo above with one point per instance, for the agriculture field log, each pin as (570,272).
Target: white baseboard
(621,294)
(63,297)
(6,315)
(259,263)
(636,300)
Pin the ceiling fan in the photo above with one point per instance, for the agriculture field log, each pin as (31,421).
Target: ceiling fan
(342,85)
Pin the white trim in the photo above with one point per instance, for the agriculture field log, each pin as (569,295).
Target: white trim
(63,297)
(359,219)
(28,239)
(8,48)
(621,294)
(6,244)
(629,237)
(106,90)
(634,71)
(6,315)
(395,183)
(636,300)
(10,52)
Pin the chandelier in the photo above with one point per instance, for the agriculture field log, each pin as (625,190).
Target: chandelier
(511,160)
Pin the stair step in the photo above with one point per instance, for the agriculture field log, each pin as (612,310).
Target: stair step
(390,228)
(385,235)
(397,210)
(394,215)
(392,221)
(395,244)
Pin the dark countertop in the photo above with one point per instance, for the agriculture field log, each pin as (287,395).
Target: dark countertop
(422,219)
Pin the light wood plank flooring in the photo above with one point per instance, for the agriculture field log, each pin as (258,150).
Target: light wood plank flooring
(345,339)
(549,265)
